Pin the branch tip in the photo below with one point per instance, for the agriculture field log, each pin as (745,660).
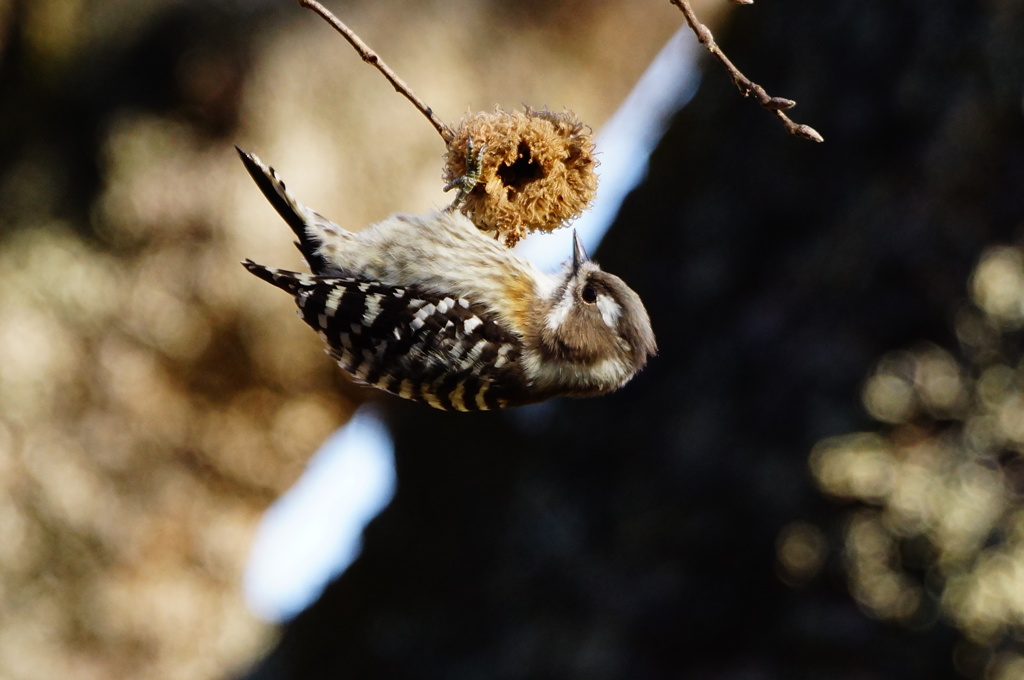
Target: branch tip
(745,85)
(807,132)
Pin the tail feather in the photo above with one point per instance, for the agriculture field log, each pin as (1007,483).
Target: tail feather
(288,281)
(294,213)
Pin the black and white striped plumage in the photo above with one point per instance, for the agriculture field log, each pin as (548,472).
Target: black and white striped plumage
(444,351)
(431,309)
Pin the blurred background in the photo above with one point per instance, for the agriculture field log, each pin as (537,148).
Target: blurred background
(820,476)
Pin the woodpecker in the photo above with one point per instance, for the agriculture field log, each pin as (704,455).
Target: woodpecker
(432,309)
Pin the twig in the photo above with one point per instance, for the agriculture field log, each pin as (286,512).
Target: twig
(370,57)
(746,86)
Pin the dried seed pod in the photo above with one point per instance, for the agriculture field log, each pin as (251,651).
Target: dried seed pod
(537,170)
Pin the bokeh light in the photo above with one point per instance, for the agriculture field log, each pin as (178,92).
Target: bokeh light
(939,516)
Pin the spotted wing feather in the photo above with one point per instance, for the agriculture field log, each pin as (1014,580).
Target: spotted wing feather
(436,349)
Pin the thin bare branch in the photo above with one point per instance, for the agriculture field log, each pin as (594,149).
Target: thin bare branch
(370,57)
(746,86)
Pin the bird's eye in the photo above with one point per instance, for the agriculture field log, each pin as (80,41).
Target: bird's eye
(588,294)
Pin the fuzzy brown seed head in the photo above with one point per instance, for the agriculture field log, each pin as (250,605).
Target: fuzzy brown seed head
(537,170)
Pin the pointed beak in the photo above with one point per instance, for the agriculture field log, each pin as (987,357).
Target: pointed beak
(579,256)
